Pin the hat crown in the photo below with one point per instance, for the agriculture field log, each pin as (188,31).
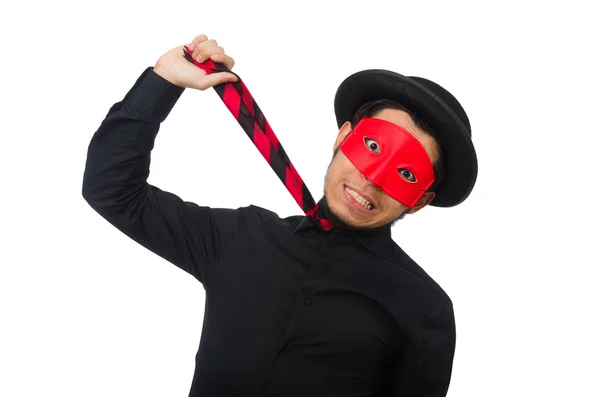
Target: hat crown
(446,97)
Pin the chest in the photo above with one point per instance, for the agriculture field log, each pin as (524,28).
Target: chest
(307,295)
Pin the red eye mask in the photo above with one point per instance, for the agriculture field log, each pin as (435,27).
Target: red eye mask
(391,158)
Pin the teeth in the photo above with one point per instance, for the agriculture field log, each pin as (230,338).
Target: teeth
(365,203)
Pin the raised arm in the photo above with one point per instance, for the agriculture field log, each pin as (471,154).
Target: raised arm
(118,162)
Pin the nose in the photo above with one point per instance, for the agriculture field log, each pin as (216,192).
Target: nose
(366,180)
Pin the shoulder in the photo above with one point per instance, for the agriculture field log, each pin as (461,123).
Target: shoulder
(426,283)
(271,220)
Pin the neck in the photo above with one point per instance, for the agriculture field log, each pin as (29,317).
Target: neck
(326,212)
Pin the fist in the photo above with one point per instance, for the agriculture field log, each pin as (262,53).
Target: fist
(173,66)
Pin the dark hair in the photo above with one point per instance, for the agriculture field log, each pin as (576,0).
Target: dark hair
(371,108)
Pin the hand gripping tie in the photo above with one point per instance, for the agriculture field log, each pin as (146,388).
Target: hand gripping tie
(244,108)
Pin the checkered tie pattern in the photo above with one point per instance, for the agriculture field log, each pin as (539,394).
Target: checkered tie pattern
(244,108)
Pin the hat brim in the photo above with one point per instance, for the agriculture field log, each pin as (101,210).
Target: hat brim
(460,159)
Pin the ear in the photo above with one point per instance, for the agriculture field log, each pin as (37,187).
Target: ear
(344,131)
(423,201)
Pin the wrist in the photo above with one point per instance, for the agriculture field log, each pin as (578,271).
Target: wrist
(164,73)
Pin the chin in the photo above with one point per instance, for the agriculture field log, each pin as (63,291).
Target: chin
(351,218)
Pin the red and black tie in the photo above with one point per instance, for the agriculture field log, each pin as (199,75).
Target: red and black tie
(244,108)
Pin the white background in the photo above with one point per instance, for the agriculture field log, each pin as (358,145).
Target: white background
(86,311)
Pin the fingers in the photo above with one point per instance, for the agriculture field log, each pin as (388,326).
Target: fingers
(224,59)
(206,49)
(214,79)
(198,39)
(203,49)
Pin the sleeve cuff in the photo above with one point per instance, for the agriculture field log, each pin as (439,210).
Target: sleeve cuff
(152,97)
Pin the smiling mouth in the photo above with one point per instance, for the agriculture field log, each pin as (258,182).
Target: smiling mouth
(360,199)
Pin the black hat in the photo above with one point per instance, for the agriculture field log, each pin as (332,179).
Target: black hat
(430,102)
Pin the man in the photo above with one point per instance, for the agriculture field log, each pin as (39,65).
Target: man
(294,309)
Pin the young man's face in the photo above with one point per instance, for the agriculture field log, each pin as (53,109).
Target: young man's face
(346,188)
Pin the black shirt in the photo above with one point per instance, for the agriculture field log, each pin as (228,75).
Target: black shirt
(291,310)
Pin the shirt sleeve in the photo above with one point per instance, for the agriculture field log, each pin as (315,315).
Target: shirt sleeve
(115,184)
(425,367)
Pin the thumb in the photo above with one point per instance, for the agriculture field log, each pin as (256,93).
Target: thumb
(214,79)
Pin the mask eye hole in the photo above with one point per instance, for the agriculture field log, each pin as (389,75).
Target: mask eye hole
(372,145)
(407,175)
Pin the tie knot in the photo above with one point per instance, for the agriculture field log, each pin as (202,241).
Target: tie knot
(324,223)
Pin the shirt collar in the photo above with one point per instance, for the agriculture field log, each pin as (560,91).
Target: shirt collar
(378,240)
